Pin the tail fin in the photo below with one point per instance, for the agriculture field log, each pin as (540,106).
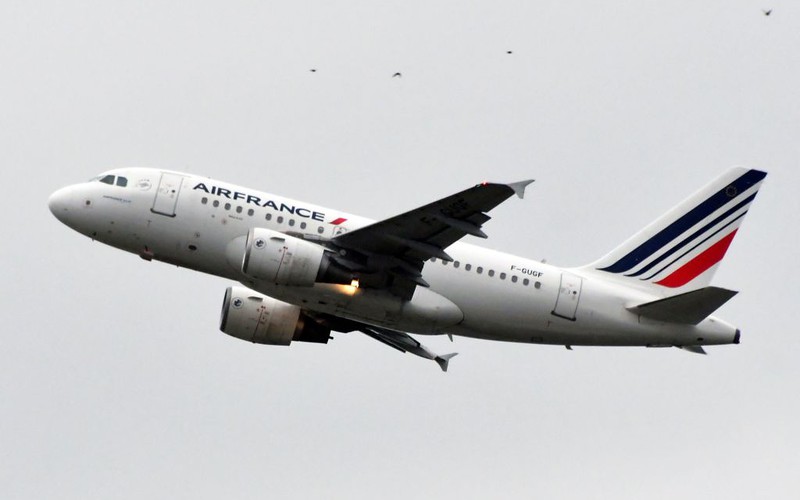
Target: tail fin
(684,247)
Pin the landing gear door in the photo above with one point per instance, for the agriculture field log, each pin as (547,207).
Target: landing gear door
(167,194)
(569,294)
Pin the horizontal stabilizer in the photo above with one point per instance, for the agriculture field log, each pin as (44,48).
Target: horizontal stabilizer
(697,349)
(688,308)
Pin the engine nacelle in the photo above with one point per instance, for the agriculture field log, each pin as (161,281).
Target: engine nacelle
(250,316)
(281,259)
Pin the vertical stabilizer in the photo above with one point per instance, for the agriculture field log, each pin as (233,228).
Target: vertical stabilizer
(682,249)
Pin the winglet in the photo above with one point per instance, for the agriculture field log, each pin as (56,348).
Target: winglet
(444,360)
(519,187)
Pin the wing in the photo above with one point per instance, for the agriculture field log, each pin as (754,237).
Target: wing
(391,253)
(401,341)
(404,342)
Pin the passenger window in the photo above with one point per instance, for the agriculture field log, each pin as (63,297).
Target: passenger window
(239,210)
(456,264)
(227,206)
(303,225)
(280,219)
(479,270)
(204,201)
(109,179)
(537,285)
(514,279)
(268,217)
(122,181)
(216,203)
(468,267)
(251,212)
(320,229)
(502,276)
(491,272)
(291,222)
(526,282)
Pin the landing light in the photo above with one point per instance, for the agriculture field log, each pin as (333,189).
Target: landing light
(354,283)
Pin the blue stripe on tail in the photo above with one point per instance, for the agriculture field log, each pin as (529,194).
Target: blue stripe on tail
(687,252)
(692,217)
(694,236)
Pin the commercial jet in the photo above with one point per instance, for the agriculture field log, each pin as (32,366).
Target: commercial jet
(308,271)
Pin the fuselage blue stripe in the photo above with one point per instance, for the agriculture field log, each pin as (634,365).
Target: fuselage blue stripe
(685,222)
(694,236)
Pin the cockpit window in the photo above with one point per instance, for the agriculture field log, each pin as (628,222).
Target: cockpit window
(111,180)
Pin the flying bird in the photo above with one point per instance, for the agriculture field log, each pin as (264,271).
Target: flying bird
(313,70)
(509,52)
(398,75)
(767,12)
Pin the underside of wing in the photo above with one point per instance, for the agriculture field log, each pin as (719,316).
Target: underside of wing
(401,341)
(391,253)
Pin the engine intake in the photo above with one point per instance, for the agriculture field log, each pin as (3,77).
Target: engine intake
(250,316)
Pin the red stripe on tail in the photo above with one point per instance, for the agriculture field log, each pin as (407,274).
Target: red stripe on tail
(699,264)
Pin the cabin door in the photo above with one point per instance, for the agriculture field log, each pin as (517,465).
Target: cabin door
(167,194)
(569,294)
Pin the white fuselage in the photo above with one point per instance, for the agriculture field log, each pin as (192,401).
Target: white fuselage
(198,223)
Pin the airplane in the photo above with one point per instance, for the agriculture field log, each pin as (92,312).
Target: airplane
(307,271)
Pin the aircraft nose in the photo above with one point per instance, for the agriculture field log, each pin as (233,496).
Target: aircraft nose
(59,204)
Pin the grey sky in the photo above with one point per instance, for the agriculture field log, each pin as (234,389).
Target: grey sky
(115,381)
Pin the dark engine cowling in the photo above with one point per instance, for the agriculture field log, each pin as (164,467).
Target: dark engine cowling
(250,316)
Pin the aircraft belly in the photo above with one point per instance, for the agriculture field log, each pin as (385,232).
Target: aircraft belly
(502,311)
(510,312)
(498,311)
(426,313)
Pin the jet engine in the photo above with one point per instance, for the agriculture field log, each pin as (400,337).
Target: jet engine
(280,258)
(250,316)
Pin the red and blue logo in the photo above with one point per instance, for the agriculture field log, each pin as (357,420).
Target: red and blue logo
(695,241)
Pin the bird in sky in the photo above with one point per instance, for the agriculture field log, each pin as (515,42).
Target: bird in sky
(398,75)
(509,52)
(313,70)
(767,12)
